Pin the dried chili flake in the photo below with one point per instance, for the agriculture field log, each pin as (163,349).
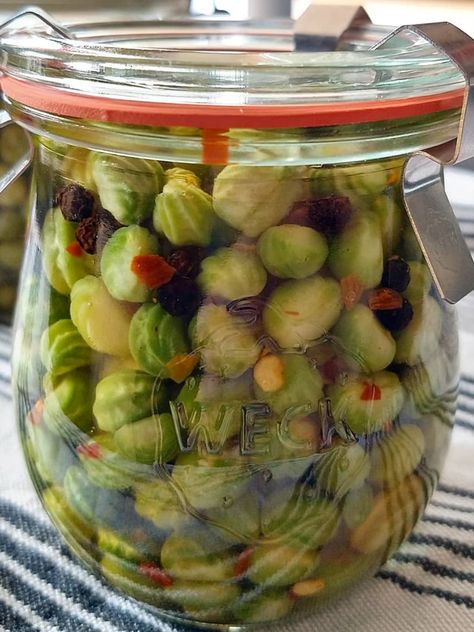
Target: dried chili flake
(385,298)
(156,574)
(152,270)
(181,366)
(243,562)
(74,249)
(352,290)
(393,177)
(89,450)
(370,393)
(76,202)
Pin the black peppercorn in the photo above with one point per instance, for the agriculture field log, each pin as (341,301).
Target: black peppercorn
(106,227)
(86,234)
(329,215)
(395,319)
(94,232)
(186,261)
(396,274)
(180,296)
(76,202)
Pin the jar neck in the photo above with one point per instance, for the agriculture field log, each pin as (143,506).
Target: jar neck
(297,146)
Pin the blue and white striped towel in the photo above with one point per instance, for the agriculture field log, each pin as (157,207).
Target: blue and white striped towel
(428,585)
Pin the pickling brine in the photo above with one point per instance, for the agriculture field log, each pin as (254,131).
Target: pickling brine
(235,383)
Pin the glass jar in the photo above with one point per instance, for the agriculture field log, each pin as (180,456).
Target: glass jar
(235,378)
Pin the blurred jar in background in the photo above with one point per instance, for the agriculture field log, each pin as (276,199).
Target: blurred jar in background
(13,214)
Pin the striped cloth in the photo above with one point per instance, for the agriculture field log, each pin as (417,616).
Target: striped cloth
(427,585)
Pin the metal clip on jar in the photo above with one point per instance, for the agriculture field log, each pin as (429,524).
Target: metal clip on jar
(236,358)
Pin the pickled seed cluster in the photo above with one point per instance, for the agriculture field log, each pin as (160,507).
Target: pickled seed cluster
(238,387)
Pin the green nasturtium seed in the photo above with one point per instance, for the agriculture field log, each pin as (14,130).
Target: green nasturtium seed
(156,338)
(158,500)
(232,273)
(301,520)
(251,199)
(127,187)
(184,214)
(104,465)
(184,175)
(228,347)
(397,455)
(150,440)
(301,387)
(63,348)
(102,321)
(61,267)
(127,396)
(417,342)
(193,556)
(366,403)
(299,312)
(69,399)
(279,565)
(366,342)
(264,606)
(420,282)
(290,251)
(390,216)
(207,482)
(341,468)
(358,250)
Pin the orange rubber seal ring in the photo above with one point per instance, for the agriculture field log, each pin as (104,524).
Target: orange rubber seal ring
(215,117)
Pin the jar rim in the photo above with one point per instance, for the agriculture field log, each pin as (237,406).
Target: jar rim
(221,74)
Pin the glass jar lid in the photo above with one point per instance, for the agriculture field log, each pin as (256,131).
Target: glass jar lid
(221,74)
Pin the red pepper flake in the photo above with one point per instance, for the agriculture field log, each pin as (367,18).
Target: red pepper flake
(152,270)
(393,177)
(74,249)
(181,366)
(36,413)
(385,298)
(89,450)
(156,574)
(352,289)
(292,313)
(243,562)
(371,393)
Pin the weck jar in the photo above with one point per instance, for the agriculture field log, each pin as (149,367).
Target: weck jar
(235,377)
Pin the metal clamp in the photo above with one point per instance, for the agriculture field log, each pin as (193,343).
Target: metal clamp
(41,16)
(428,208)
(322,27)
